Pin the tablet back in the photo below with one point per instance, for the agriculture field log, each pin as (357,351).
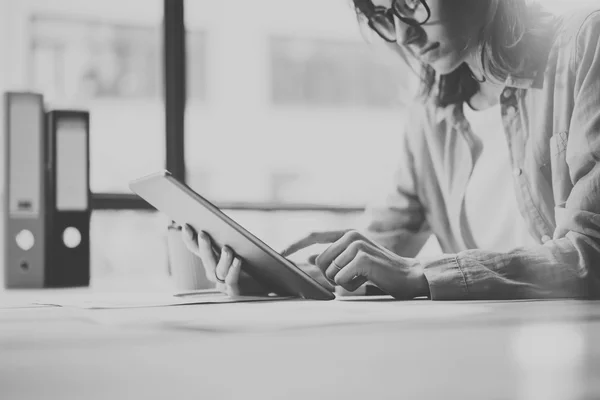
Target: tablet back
(184,206)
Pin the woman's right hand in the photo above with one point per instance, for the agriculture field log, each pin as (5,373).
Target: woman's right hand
(226,271)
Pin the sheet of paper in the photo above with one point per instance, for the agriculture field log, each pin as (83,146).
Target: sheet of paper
(141,300)
(12,305)
(11,300)
(290,315)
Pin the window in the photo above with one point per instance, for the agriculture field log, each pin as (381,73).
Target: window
(113,67)
(268,128)
(302,114)
(105,57)
(333,73)
(86,59)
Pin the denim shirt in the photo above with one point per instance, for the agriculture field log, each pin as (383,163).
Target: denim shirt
(552,127)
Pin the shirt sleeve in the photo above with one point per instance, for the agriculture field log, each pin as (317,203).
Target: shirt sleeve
(569,264)
(396,218)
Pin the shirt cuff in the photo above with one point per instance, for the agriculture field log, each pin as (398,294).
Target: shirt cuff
(445,277)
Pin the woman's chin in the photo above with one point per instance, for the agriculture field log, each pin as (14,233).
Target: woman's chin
(445,65)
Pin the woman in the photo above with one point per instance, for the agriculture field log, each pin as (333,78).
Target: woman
(500,162)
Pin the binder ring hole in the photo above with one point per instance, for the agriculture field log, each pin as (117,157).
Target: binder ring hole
(72,237)
(25,240)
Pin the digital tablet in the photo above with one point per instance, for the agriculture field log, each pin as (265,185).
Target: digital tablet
(184,206)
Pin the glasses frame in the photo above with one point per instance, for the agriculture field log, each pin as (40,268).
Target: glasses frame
(370,11)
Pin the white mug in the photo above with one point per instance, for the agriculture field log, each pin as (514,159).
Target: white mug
(186,268)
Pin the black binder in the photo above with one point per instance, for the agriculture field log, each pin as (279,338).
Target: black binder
(68,200)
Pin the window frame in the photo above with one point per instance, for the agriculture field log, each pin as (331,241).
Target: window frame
(175,96)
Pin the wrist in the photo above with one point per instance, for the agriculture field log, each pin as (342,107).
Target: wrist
(421,284)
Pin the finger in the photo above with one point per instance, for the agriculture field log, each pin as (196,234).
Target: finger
(189,239)
(233,277)
(312,260)
(337,248)
(207,254)
(332,271)
(355,274)
(313,238)
(347,256)
(224,264)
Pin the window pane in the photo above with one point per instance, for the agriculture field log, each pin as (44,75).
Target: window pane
(299,107)
(105,57)
(326,72)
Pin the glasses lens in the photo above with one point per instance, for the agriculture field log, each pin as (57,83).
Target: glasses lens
(411,9)
(384,26)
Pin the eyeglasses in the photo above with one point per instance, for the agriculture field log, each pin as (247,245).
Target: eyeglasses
(381,19)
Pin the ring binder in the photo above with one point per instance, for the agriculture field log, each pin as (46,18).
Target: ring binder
(68,199)
(25,200)
(47,195)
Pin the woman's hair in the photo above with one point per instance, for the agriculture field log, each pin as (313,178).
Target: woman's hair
(513,39)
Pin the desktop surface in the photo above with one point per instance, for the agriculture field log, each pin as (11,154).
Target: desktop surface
(355,348)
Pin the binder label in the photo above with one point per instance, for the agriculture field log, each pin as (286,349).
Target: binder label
(26,151)
(71,165)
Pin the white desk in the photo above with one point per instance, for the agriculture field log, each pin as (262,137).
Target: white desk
(305,350)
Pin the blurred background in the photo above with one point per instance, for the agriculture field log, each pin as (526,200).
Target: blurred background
(292,120)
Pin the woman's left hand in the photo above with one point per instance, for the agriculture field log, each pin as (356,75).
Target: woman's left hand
(352,259)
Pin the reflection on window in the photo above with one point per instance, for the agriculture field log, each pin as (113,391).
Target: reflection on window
(83,59)
(326,72)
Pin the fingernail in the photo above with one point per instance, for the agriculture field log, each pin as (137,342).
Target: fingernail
(226,250)
(202,235)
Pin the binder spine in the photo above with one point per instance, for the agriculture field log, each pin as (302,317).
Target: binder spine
(24,205)
(68,199)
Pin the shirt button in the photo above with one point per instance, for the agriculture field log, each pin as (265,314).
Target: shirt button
(517,172)
(546,238)
(507,93)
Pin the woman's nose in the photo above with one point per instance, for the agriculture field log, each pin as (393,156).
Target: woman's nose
(407,34)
